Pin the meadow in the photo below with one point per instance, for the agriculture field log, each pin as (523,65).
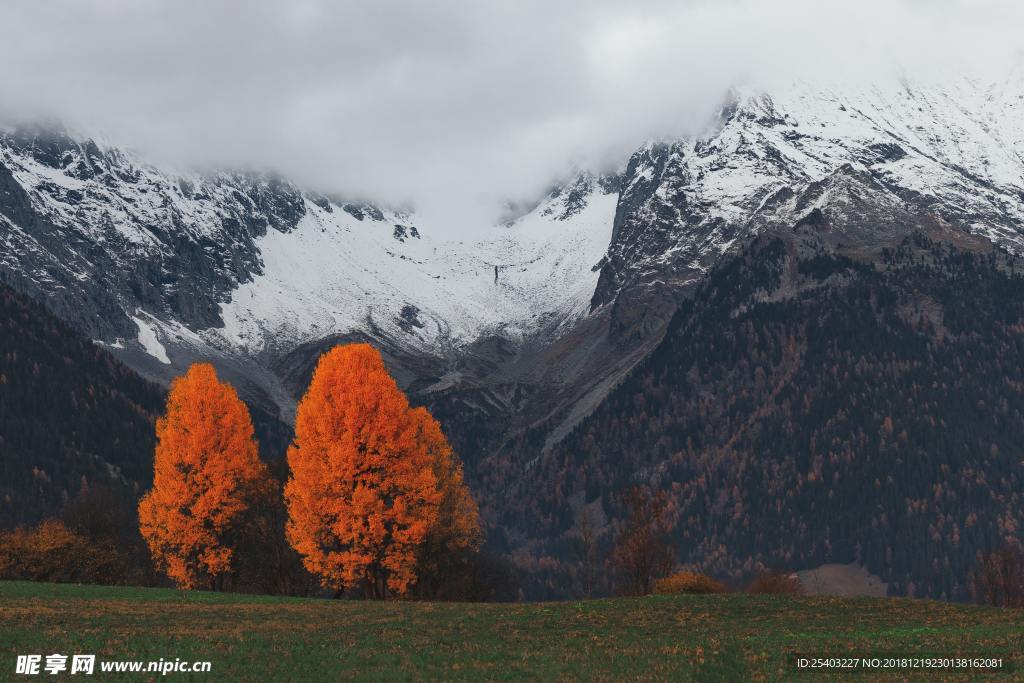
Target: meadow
(686,637)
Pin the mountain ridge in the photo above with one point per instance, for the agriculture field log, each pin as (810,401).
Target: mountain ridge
(514,341)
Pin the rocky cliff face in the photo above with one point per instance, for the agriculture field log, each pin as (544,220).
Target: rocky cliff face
(954,151)
(100,236)
(165,267)
(147,257)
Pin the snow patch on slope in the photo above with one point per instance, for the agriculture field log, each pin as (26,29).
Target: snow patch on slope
(335,274)
(150,341)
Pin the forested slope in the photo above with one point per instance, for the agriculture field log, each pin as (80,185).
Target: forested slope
(69,412)
(816,402)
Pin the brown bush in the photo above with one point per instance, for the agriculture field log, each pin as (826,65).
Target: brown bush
(53,552)
(688,582)
(998,578)
(643,550)
(105,515)
(776,582)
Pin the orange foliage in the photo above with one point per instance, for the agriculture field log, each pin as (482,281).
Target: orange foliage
(688,582)
(458,521)
(53,552)
(207,476)
(371,480)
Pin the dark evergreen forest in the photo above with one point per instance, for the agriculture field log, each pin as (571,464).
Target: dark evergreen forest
(69,413)
(814,404)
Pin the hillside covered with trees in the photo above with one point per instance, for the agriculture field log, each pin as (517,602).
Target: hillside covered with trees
(814,403)
(70,413)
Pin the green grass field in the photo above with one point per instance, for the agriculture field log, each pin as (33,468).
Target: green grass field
(718,637)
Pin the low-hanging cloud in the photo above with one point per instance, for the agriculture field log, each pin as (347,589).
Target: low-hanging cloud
(454,107)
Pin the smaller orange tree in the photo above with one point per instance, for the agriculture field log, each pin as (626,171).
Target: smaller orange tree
(456,532)
(207,476)
(372,481)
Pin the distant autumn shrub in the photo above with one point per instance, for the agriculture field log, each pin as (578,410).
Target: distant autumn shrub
(53,552)
(998,577)
(643,551)
(375,492)
(776,582)
(207,476)
(688,582)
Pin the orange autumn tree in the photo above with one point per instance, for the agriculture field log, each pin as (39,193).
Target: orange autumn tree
(207,476)
(372,481)
(457,528)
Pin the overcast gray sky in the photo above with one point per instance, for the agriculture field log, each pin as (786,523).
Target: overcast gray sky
(451,106)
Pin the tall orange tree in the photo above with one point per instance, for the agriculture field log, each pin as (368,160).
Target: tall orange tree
(371,479)
(207,476)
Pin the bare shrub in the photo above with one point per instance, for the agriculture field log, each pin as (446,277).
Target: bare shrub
(998,578)
(776,583)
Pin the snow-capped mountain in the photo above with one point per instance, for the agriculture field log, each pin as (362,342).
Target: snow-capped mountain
(954,151)
(168,266)
(335,273)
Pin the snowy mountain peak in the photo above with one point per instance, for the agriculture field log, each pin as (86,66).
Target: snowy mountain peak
(167,266)
(951,150)
(177,265)
(339,271)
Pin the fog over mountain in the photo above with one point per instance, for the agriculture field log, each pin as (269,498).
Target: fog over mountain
(453,107)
